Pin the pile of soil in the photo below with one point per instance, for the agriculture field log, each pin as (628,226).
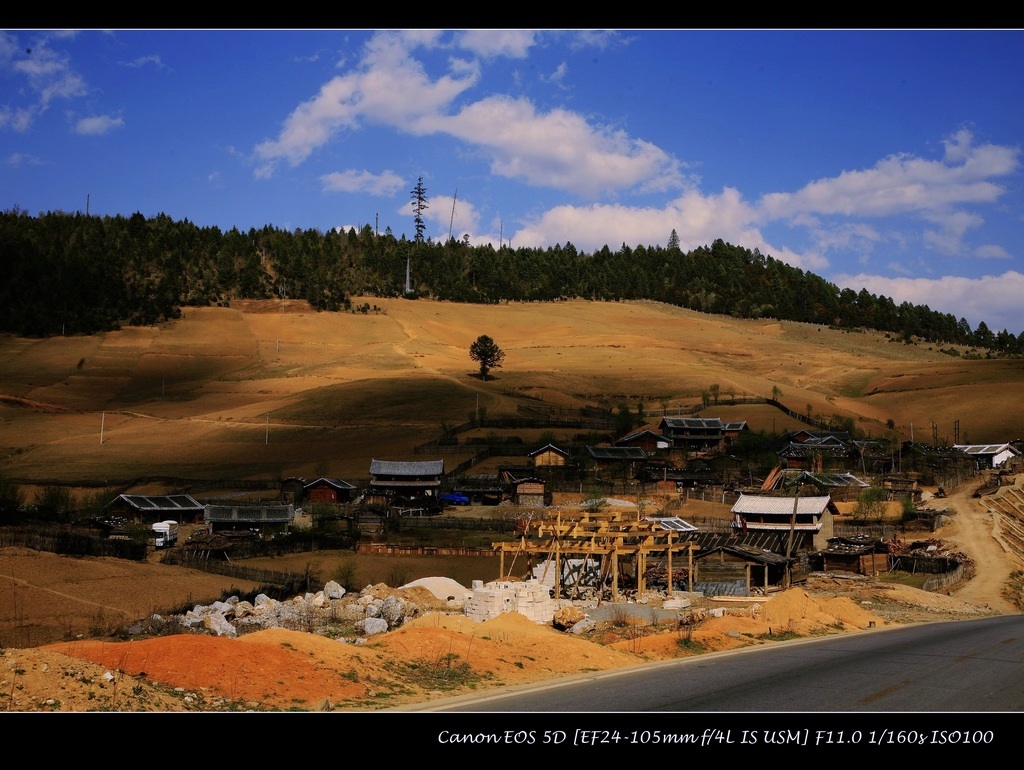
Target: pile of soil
(433,656)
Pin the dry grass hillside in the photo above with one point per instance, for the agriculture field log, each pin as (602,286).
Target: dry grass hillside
(272,389)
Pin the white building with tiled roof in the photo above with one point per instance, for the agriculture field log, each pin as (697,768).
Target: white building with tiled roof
(989,455)
(810,519)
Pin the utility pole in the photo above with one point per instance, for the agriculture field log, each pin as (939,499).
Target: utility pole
(792,524)
(451,222)
(103,421)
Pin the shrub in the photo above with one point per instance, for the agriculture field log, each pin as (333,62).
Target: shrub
(346,575)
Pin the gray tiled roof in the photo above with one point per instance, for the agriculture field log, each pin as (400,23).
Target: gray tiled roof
(411,468)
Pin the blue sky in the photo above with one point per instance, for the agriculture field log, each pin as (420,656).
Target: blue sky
(881,159)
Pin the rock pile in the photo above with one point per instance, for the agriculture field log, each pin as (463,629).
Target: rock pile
(329,612)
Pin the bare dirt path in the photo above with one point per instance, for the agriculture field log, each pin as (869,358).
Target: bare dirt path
(976,533)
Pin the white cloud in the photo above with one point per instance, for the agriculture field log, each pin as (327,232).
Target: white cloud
(991,251)
(513,43)
(47,74)
(949,238)
(142,61)
(856,236)
(19,119)
(455,213)
(559,149)
(902,183)
(447,212)
(97,125)
(386,183)
(558,76)
(994,299)
(390,88)
(23,159)
(697,219)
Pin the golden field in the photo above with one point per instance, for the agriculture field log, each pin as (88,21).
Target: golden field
(269,389)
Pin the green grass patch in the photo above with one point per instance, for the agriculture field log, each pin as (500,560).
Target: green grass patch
(449,672)
(691,645)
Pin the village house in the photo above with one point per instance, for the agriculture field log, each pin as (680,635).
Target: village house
(840,486)
(989,456)
(646,439)
(149,509)
(617,462)
(529,492)
(328,490)
(807,520)
(266,519)
(818,453)
(406,479)
(740,570)
(549,456)
(697,435)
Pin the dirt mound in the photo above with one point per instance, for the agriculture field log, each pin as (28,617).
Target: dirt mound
(431,656)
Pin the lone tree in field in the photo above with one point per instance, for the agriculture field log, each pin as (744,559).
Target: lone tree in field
(486,353)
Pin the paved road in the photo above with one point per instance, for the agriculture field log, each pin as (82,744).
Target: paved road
(959,666)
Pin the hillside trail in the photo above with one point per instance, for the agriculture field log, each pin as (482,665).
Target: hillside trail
(414,335)
(975,530)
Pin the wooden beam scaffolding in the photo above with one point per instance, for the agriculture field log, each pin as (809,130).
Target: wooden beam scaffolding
(590,535)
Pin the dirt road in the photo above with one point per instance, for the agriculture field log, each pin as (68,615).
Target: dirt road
(976,533)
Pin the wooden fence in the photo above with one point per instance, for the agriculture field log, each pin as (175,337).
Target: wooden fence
(71,543)
(201,560)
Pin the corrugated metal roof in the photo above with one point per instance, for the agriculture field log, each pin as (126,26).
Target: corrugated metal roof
(161,502)
(250,513)
(712,423)
(410,468)
(759,555)
(767,504)
(672,523)
(826,479)
(984,449)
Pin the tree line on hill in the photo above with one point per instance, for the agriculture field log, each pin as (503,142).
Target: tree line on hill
(72,273)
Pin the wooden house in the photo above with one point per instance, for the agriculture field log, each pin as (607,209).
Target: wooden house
(646,439)
(740,569)
(529,492)
(817,454)
(410,480)
(861,555)
(804,435)
(808,520)
(328,490)
(267,520)
(150,509)
(619,462)
(839,486)
(549,456)
(698,435)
